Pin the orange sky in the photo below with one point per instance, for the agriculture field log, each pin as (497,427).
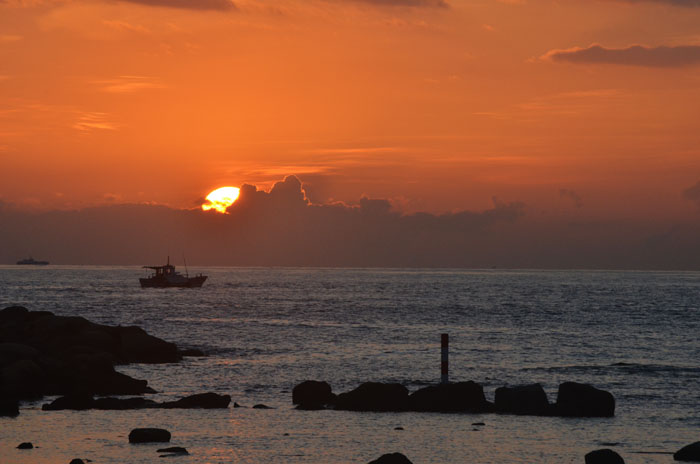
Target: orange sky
(437,106)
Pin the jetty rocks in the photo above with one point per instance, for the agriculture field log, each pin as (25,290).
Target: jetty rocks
(45,354)
(82,402)
(573,399)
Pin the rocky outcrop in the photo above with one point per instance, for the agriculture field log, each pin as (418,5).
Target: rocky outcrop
(45,354)
(582,400)
(199,401)
(25,446)
(312,394)
(393,458)
(689,453)
(149,435)
(9,407)
(450,397)
(374,396)
(530,400)
(603,456)
(84,402)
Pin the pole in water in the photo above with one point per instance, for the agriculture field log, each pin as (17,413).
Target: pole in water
(444,364)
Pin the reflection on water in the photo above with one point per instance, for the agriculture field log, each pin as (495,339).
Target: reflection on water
(632,333)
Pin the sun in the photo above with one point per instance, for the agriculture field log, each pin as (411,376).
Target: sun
(221,198)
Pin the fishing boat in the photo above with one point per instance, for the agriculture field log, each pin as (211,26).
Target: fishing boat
(32,261)
(166,276)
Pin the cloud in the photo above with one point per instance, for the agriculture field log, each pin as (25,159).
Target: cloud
(570,194)
(220,5)
(685,3)
(128,84)
(93,121)
(635,55)
(416,3)
(693,194)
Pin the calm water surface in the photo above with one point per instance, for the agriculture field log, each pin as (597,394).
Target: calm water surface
(632,333)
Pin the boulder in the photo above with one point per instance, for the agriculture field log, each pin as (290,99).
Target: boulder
(149,435)
(202,401)
(22,379)
(261,406)
(10,352)
(26,445)
(138,346)
(393,458)
(373,396)
(528,400)
(77,461)
(192,352)
(581,400)
(75,402)
(122,404)
(603,456)
(173,450)
(312,394)
(9,407)
(450,397)
(689,453)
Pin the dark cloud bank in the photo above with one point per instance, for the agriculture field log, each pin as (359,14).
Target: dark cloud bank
(281,228)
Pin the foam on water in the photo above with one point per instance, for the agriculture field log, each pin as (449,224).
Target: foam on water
(632,333)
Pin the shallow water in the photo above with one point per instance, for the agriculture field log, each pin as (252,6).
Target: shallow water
(632,333)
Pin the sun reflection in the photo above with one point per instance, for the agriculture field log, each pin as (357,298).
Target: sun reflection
(220,199)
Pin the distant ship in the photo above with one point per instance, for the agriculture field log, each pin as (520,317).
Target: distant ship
(166,276)
(32,261)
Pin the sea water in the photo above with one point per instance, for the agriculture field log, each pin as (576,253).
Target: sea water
(635,334)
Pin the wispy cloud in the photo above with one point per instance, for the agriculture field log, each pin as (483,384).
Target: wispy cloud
(93,121)
(635,55)
(9,38)
(220,5)
(128,84)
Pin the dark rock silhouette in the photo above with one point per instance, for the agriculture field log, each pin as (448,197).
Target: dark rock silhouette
(689,453)
(192,352)
(25,446)
(44,354)
(393,458)
(261,406)
(603,456)
(199,401)
(522,399)
(77,461)
(86,401)
(373,396)
(149,435)
(450,397)
(173,450)
(9,407)
(581,400)
(312,394)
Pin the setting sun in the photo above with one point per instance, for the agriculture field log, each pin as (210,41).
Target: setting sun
(220,199)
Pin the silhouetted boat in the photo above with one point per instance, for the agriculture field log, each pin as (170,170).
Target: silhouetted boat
(32,261)
(167,276)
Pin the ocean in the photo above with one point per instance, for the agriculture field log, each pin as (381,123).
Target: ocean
(635,334)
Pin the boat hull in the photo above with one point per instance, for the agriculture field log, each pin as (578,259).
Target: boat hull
(185,282)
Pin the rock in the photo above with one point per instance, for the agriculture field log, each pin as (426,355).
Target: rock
(77,461)
(77,402)
(26,445)
(261,406)
(393,458)
(450,397)
(236,405)
(10,352)
(689,453)
(149,435)
(139,346)
(398,428)
(312,395)
(9,407)
(121,404)
(23,378)
(530,400)
(478,423)
(173,450)
(581,400)
(603,456)
(373,396)
(202,400)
